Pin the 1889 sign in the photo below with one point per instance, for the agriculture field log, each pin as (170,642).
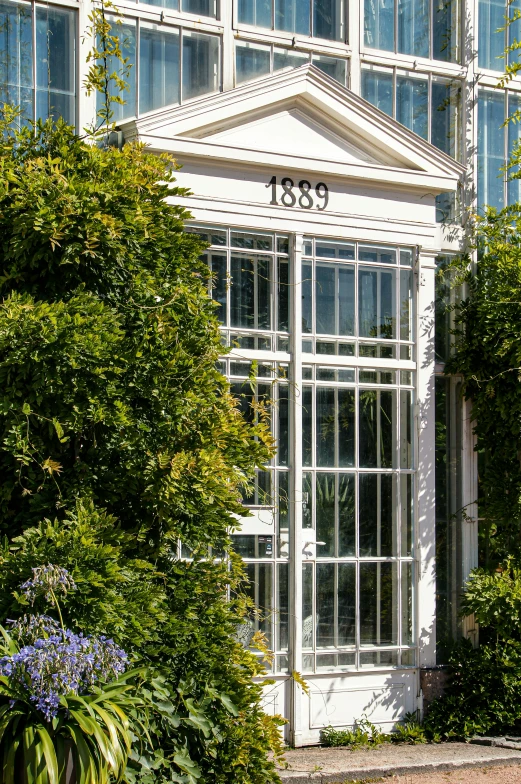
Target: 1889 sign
(301,194)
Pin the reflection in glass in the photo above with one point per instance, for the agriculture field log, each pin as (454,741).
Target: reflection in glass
(413,27)
(445,116)
(259,587)
(491,155)
(307,605)
(412,104)
(336,600)
(55,62)
(250,291)
(335,299)
(217,264)
(377,88)
(376,303)
(378,604)
(293,16)
(379,24)
(200,64)
(283,425)
(307,289)
(335,427)
(406,425)
(491,40)
(325,514)
(283,294)
(158,69)
(126,35)
(406,513)
(307,430)
(282,618)
(376,518)
(307,500)
(407,613)
(346,515)
(376,428)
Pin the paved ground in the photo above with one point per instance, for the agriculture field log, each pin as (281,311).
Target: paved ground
(444,763)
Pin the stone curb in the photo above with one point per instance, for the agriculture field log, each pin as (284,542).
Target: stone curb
(384,771)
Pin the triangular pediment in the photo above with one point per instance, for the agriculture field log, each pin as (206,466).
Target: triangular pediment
(299,119)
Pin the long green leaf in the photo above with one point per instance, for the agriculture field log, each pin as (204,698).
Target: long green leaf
(86,766)
(30,754)
(10,760)
(49,753)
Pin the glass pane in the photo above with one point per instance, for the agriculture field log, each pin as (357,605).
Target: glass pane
(445,117)
(259,588)
(376,428)
(328,17)
(406,428)
(307,288)
(293,16)
(406,294)
(217,263)
(379,24)
(250,291)
(282,618)
(55,63)
(376,518)
(326,426)
(307,605)
(199,7)
(251,62)
(491,154)
(376,303)
(491,43)
(325,514)
(407,613)
(335,597)
(333,67)
(325,298)
(284,58)
(283,294)
(327,249)
(346,515)
(158,69)
(307,432)
(412,104)
(346,427)
(307,500)
(377,255)
(378,604)
(445,30)
(514,136)
(377,88)
(16,55)
(413,27)
(200,64)
(255,12)
(283,428)
(126,35)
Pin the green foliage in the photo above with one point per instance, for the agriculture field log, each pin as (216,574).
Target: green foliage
(364,735)
(410,731)
(94,730)
(119,439)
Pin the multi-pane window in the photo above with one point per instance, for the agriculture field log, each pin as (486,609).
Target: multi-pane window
(495,145)
(254,60)
(199,7)
(354,411)
(174,65)
(423,28)
(318,18)
(494,35)
(38,60)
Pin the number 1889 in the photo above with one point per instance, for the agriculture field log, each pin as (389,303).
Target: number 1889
(301,194)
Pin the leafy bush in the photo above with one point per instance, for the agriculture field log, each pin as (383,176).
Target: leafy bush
(120,439)
(363,735)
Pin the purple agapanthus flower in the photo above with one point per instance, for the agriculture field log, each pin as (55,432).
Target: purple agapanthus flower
(48,581)
(58,663)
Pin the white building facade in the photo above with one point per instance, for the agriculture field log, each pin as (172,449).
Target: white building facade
(332,151)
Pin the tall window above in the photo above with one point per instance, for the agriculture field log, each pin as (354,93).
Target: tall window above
(174,65)
(318,18)
(38,41)
(493,34)
(423,28)
(495,144)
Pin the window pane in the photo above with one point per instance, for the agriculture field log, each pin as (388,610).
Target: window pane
(174,4)
(333,67)
(445,117)
(126,35)
(217,263)
(445,30)
(406,293)
(293,16)
(346,427)
(307,605)
(158,69)
(199,7)
(413,27)
(283,428)
(328,16)
(251,62)
(259,588)
(379,24)
(378,604)
(412,104)
(307,418)
(406,425)
(200,64)
(326,421)
(335,597)
(346,515)
(283,294)
(377,88)
(514,135)
(407,614)
(406,513)
(491,43)
(282,617)
(16,54)
(250,291)
(307,288)
(255,12)
(376,428)
(325,514)
(376,519)
(491,154)
(55,63)
(284,58)
(376,303)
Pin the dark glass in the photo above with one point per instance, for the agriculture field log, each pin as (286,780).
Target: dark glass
(346,427)
(283,295)
(325,426)
(376,528)
(307,500)
(336,611)
(220,284)
(326,19)
(325,514)
(346,515)
(307,289)
(307,431)
(325,299)
(283,429)
(378,606)
(282,616)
